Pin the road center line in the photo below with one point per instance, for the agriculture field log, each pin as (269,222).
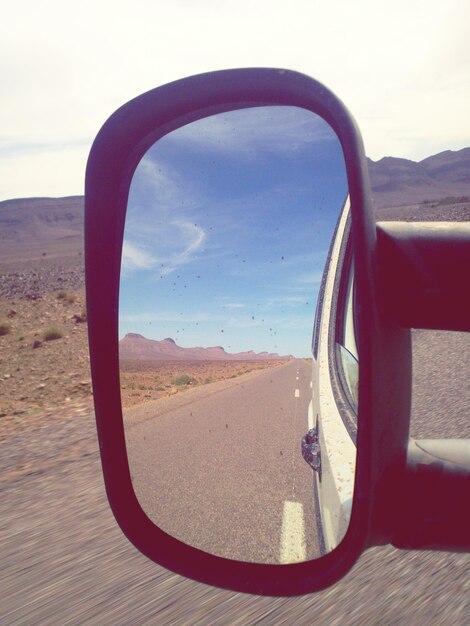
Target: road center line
(297,394)
(293,546)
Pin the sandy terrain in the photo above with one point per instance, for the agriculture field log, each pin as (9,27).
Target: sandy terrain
(149,380)
(36,375)
(45,379)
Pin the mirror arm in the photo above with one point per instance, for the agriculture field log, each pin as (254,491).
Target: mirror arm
(431,504)
(423,272)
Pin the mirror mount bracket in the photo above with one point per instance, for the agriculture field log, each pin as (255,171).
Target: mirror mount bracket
(431,509)
(423,271)
(417,282)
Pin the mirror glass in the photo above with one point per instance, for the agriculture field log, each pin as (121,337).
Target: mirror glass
(228,227)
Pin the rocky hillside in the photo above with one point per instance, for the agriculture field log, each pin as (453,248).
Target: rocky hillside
(41,246)
(398,182)
(40,228)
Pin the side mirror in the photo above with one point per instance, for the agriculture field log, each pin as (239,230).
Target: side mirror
(163,172)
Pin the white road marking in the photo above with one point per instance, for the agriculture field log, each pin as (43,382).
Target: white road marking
(297,394)
(296,378)
(310,415)
(293,546)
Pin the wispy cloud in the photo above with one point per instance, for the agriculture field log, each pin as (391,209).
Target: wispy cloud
(158,192)
(192,237)
(313,278)
(285,301)
(168,247)
(134,258)
(287,270)
(248,132)
(170,316)
(233,305)
(10,149)
(157,188)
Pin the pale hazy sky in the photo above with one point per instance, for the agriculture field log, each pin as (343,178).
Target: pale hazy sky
(401,67)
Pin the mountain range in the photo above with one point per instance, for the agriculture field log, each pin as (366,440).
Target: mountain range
(38,228)
(136,347)
(397,182)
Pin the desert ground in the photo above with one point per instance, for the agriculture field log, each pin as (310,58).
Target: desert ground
(44,364)
(44,361)
(144,381)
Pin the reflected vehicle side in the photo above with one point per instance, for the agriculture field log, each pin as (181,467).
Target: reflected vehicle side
(329,446)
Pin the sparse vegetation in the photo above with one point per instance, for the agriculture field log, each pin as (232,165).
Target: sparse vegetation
(450,200)
(66,296)
(52,333)
(160,379)
(184,379)
(44,341)
(80,319)
(5,328)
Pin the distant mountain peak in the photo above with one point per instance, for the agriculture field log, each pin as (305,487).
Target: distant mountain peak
(134,336)
(137,347)
(389,159)
(400,182)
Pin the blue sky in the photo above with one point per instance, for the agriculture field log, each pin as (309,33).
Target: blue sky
(228,225)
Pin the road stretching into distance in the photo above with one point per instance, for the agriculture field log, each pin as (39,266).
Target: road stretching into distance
(224,471)
(64,560)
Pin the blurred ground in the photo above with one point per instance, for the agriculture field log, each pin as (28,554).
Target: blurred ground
(65,561)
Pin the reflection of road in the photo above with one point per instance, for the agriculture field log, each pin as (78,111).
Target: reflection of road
(225,472)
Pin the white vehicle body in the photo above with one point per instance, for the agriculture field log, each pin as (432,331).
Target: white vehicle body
(331,416)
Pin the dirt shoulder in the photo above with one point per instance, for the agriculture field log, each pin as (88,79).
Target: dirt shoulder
(147,381)
(45,370)
(44,360)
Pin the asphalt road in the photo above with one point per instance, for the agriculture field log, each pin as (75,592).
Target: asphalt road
(223,472)
(64,560)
